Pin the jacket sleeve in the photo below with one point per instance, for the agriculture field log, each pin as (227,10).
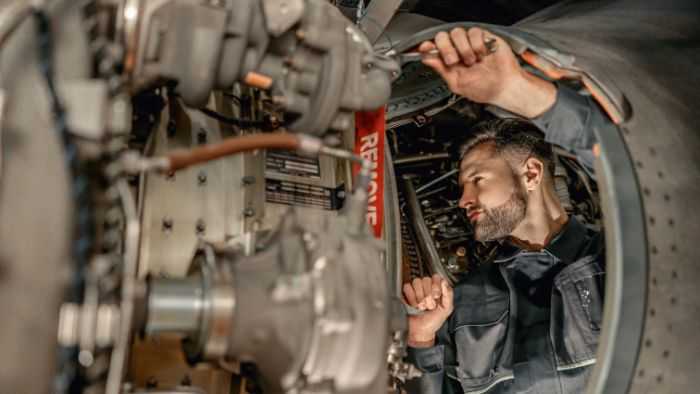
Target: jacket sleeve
(572,123)
(431,362)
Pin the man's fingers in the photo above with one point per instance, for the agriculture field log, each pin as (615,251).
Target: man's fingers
(410,295)
(447,50)
(435,286)
(436,64)
(426,46)
(461,42)
(447,296)
(428,293)
(418,289)
(449,76)
(430,303)
(477,43)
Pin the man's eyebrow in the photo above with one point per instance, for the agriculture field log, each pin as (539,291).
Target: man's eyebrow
(464,175)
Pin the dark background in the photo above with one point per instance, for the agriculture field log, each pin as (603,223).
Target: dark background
(502,12)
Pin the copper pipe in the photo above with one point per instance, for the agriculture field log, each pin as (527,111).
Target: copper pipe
(185,158)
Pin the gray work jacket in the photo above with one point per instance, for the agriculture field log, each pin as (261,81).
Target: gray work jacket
(528,322)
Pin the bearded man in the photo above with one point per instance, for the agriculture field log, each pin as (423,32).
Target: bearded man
(529,321)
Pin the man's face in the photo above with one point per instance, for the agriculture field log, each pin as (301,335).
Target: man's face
(494,198)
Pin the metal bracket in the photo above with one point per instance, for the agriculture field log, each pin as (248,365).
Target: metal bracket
(377,17)
(281,15)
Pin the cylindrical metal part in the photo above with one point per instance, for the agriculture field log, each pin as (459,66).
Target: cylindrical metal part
(420,158)
(423,237)
(175,305)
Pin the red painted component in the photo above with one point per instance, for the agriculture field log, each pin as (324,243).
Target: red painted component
(369,143)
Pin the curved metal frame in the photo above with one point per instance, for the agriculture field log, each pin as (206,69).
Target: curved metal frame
(627,267)
(626,239)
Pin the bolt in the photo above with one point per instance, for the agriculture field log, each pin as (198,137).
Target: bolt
(248,180)
(167,225)
(311,240)
(151,383)
(201,226)
(172,128)
(202,178)
(249,212)
(202,136)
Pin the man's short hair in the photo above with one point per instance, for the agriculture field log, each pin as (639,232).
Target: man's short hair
(515,139)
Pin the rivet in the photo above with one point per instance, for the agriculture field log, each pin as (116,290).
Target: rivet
(248,180)
(202,178)
(172,128)
(201,226)
(202,136)
(167,224)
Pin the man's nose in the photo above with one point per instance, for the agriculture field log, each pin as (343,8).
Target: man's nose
(468,197)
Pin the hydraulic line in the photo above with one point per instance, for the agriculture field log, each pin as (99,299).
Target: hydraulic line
(181,159)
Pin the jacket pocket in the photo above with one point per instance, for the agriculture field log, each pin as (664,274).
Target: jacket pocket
(479,330)
(577,312)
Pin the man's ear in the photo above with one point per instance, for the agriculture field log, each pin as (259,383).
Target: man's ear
(533,174)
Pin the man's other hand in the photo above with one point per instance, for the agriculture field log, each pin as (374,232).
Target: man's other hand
(486,76)
(434,297)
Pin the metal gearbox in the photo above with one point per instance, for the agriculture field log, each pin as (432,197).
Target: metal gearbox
(307,310)
(316,65)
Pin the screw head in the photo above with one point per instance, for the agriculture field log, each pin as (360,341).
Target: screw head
(202,136)
(248,180)
(172,128)
(202,178)
(167,225)
(201,226)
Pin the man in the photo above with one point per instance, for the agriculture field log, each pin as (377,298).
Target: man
(529,321)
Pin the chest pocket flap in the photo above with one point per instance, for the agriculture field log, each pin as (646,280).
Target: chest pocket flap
(479,324)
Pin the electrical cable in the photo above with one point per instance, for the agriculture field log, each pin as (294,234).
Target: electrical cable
(242,123)
(180,159)
(68,379)
(233,97)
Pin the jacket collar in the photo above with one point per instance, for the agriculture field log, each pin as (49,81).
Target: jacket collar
(564,246)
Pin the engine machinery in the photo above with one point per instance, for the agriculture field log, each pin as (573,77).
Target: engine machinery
(301,299)
(219,196)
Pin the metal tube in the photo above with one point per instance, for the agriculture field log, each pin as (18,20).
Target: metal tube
(175,305)
(423,237)
(436,180)
(12,17)
(132,234)
(229,146)
(420,158)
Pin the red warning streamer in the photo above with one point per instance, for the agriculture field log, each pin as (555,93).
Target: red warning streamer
(369,143)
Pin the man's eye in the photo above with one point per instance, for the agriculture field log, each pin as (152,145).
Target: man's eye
(477,179)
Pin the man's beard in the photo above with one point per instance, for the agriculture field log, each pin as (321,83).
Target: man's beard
(499,222)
